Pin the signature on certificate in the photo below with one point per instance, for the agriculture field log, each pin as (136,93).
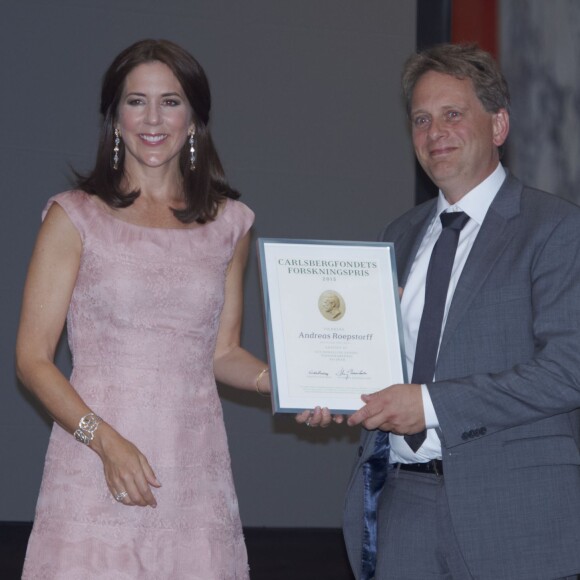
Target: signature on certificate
(350,373)
(317,373)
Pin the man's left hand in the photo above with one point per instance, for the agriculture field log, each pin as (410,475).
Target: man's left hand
(398,408)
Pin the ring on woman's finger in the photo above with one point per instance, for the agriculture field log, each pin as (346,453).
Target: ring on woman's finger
(308,423)
(121,495)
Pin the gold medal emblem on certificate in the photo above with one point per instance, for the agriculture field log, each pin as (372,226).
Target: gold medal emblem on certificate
(331,305)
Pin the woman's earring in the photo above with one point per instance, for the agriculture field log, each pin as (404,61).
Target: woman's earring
(192,151)
(116,149)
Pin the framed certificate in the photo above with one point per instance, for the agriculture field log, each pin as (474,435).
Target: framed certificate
(332,320)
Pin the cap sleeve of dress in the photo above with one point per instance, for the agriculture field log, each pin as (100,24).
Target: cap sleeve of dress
(240,217)
(77,207)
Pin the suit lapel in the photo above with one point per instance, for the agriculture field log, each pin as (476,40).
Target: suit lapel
(493,237)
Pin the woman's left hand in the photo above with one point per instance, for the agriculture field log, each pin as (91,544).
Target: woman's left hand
(318,417)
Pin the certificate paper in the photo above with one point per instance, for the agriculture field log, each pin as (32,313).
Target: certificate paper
(333,322)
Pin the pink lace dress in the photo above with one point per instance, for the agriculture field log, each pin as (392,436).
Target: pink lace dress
(142,328)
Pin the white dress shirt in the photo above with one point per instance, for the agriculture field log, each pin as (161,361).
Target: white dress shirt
(475,204)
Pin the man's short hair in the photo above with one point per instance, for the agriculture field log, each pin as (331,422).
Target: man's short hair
(462,61)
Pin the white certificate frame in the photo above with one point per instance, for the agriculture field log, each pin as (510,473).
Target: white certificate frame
(333,322)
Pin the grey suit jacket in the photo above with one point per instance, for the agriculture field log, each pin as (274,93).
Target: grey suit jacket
(507,394)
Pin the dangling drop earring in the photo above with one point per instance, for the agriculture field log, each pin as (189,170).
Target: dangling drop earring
(192,151)
(116,149)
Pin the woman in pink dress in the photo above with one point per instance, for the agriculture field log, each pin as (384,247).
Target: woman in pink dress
(144,261)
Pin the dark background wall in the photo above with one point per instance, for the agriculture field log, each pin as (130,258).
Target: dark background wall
(540,48)
(307,116)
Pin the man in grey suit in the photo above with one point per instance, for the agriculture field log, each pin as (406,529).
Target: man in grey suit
(491,490)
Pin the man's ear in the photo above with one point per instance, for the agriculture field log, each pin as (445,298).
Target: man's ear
(501,127)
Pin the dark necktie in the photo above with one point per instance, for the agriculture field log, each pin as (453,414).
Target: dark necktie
(436,286)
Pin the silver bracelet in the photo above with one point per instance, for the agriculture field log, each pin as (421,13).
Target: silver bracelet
(88,426)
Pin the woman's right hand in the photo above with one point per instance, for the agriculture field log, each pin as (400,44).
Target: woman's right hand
(126,468)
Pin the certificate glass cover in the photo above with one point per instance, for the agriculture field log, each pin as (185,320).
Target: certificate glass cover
(332,320)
